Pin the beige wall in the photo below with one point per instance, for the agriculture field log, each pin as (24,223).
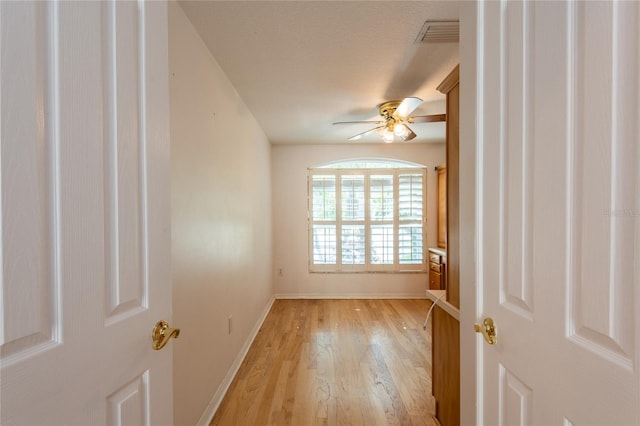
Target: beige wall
(221,221)
(290,249)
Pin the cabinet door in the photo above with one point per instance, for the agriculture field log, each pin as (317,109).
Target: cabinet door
(446,367)
(435,280)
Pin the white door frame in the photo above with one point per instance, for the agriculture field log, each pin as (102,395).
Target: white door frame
(469,300)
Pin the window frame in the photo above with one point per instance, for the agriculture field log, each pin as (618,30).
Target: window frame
(338,222)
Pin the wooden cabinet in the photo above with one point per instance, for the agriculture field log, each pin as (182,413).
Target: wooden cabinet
(446,367)
(446,325)
(435,277)
(437,268)
(442,206)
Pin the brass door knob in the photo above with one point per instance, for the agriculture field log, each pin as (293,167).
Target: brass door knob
(162,333)
(488,330)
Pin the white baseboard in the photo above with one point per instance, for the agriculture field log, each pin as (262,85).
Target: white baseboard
(213,405)
(350,296)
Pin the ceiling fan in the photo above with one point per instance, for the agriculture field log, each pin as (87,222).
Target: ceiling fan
(395,120)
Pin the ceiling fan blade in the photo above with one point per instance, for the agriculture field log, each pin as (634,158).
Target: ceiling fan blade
(360,135)
(356,122)
(406,107)
(407,136)
(427,118)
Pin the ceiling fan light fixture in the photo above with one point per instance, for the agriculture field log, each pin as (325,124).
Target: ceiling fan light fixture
(391,125)
(387,135)
(401,130)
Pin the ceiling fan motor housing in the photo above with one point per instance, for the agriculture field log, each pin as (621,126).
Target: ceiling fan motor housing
(387,109)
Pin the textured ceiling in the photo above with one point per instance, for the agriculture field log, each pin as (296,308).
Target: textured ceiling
(301,65)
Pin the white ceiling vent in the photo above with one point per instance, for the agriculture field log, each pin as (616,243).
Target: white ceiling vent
(439,31)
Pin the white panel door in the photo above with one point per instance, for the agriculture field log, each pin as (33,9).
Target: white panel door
(85,242)
(559,212)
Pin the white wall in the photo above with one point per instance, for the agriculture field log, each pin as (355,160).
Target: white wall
(221,221)
(290,249)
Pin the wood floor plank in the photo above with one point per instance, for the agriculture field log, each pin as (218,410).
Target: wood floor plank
(335,362)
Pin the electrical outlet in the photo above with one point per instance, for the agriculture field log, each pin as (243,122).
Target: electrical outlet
(230,323)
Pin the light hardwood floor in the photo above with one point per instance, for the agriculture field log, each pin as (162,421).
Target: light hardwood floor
(335,362)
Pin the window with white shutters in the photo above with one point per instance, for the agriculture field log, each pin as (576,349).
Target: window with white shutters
(367,216)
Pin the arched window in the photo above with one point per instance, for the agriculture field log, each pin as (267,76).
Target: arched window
(367,215)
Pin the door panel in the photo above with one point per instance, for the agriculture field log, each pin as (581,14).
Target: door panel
(125,192)
(127,405)
(85,213)
(603,163)
(516,162)
(515,399)
(559,211)
(30,177)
